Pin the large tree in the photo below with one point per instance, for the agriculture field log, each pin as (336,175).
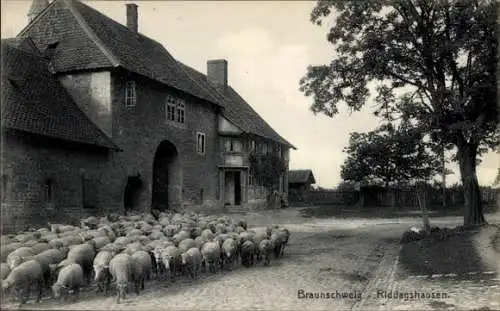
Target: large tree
(392,155)
(436,58)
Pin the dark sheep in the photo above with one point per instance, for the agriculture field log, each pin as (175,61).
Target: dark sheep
(142,269)
(265,250)
(247,252)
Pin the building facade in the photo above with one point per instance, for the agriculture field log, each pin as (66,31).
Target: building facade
(163,134)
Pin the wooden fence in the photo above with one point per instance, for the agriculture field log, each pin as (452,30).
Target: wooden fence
(400,198)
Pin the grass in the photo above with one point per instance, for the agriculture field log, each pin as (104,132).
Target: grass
(455,254)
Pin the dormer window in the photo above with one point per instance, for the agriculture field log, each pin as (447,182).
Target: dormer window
(130,94)
(52,45)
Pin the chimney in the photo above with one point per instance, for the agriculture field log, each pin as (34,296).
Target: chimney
(37,6)
(217,72)
(132,22)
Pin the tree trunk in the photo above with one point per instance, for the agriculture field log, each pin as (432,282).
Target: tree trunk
(443,160)
(424,204)
(473,209)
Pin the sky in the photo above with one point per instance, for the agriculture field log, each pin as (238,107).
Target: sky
(268,45)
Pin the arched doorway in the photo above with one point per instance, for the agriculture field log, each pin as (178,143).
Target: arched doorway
(163,172)
(132,194)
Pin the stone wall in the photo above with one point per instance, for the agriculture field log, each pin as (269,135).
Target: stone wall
(28,163)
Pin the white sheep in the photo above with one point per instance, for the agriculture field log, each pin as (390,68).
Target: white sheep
(230,251)
(101,270)
(191,260)
(210,252)
(23,277)
(69,279)
(121,268)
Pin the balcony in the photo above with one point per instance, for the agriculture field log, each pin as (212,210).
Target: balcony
(233,158)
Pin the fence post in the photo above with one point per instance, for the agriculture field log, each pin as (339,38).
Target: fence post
(361,200)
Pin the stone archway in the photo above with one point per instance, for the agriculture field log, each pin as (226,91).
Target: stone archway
(165,168)
(132,193)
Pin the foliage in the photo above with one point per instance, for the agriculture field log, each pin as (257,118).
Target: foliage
(497,179)
(267,168)
(433,64)
(389,155)
(417,45)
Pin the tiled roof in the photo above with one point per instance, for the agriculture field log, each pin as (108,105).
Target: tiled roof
(236,109)
(34,101)
(300,176)
(90,40)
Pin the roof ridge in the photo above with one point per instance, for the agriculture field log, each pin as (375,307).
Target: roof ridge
(191,78)
(92,35)
(214,89)
(258,114)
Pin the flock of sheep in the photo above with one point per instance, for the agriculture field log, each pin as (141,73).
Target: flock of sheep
(124,251)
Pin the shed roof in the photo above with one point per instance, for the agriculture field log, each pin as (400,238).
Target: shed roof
(300,176)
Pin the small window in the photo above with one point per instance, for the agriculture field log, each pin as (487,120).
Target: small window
(130,94)
(200,143)
(48,191)
(5,183)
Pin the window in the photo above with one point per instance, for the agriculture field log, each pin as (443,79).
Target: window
(170,109)
(200,143)
(175,110)
(5,181)
(48,191)
(252,145)
(130,94)
(180,111)
(265,149)
(233,145)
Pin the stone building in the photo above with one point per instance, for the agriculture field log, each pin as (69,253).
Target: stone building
(100,118)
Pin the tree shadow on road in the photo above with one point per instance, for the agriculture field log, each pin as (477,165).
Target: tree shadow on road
(352,212)
(455,255)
